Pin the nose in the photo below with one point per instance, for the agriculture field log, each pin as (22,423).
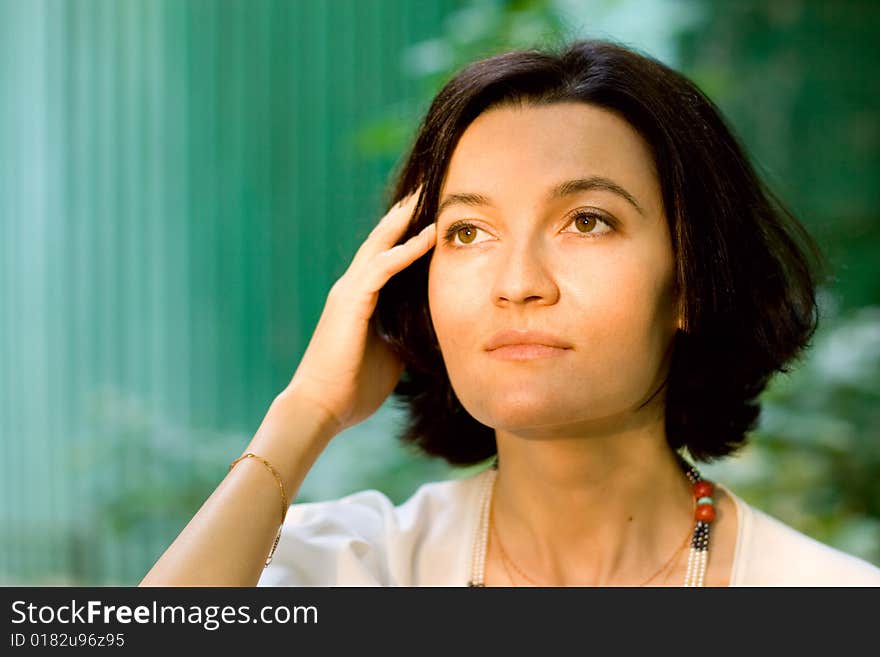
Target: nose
(522,276)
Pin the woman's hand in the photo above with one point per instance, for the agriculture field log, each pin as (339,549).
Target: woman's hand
(347,369)
(345,374)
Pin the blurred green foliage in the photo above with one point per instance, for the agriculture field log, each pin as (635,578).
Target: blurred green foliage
(479,29)
(815,458)
(797,80)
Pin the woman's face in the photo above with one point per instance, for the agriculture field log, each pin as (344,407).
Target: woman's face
(591,264)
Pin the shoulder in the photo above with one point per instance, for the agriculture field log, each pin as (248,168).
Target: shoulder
(771,553)
(364,539)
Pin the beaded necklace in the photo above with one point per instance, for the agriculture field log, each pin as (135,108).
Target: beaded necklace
(698,555)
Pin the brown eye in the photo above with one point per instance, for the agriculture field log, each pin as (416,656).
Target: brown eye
(466,234)
(586,223)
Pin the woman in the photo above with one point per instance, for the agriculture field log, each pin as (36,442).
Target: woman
(582,278)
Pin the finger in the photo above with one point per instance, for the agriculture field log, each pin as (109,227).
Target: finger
(388,230)
(410,198)
(389,262)
(394,218)
(403,207)
(369,279)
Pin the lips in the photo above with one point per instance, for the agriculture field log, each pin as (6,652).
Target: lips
(519,337)
(526,352)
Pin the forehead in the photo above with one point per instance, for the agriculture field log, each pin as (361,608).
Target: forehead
(524,150)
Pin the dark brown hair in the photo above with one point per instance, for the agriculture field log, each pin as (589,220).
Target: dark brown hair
(746,269)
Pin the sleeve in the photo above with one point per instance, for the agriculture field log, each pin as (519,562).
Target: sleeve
(334,543)
(779,555)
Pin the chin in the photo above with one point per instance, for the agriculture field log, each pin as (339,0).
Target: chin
(511,411)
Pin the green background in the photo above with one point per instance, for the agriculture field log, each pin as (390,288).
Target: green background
(182,182)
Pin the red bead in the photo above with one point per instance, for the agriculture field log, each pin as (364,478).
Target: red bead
(705,512)
(703,489)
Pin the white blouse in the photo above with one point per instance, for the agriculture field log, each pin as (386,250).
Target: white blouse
(363,539)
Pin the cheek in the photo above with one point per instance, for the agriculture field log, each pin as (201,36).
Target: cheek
(620,310)
(440,300)
(452,295)
(637,327)
(609,294)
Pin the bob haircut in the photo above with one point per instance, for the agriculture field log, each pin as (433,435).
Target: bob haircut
(746,270)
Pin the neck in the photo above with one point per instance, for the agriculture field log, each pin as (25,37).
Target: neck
(600,510)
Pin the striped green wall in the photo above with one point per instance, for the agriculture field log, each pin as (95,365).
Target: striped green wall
(179,187)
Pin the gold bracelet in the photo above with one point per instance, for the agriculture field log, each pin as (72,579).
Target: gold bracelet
(275,474)
(284,503)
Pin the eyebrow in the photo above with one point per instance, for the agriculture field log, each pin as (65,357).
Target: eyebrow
(567,188)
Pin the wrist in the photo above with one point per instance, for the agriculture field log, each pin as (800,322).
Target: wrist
(320,423)
(292,435)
